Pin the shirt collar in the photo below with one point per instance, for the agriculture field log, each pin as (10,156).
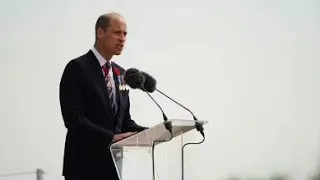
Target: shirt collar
(100,58)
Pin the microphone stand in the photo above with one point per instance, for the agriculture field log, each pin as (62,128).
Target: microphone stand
(168,126)
(198,126)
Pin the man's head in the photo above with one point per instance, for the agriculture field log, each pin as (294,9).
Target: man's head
(111,32)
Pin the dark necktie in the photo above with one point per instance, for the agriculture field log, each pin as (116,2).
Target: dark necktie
(107,78)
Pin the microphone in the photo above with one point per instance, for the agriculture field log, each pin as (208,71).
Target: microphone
(135,79)
(150,82)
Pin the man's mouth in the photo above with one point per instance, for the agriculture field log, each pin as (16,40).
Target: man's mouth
(120,46)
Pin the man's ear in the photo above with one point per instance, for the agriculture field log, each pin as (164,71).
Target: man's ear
(100,33)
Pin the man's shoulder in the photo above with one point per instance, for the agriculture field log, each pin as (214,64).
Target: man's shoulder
(82,58)
(79,61)
(77,65)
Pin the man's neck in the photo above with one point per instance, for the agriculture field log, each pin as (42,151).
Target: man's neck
(107,56)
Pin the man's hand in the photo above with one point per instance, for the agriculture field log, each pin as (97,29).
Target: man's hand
(118,137)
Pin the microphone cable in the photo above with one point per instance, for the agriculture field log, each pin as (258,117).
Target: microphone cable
(182,153)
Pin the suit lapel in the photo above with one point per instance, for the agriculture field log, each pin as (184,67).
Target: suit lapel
(118,92)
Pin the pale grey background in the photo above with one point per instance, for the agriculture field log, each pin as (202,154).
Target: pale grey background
(250,67)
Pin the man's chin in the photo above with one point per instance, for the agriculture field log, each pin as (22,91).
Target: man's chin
(117,53)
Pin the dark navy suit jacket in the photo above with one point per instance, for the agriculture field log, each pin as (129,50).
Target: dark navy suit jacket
(86,112)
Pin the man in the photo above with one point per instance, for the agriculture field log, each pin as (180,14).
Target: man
(95,110)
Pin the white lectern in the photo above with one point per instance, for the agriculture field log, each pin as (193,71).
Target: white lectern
(135,157)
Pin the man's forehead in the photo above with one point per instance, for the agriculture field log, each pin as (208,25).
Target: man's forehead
(118,24)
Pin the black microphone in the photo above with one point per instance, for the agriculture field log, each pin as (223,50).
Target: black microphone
(150,86)
(150,82)
(135,79)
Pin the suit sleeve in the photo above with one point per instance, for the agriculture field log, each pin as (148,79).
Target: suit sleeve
(71,102)
(130,125)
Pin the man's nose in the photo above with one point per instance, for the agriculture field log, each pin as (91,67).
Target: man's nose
(122,38)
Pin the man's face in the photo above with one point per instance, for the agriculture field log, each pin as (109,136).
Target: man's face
(113,39)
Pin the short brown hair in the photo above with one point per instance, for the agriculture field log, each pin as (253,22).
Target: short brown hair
(102,22)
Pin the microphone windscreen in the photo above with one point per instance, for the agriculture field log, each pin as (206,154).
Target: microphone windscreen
(134,78)
(150,82)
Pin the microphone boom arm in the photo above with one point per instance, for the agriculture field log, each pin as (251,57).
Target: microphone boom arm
(199,126)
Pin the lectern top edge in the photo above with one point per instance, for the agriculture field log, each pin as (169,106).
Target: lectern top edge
(157,132)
